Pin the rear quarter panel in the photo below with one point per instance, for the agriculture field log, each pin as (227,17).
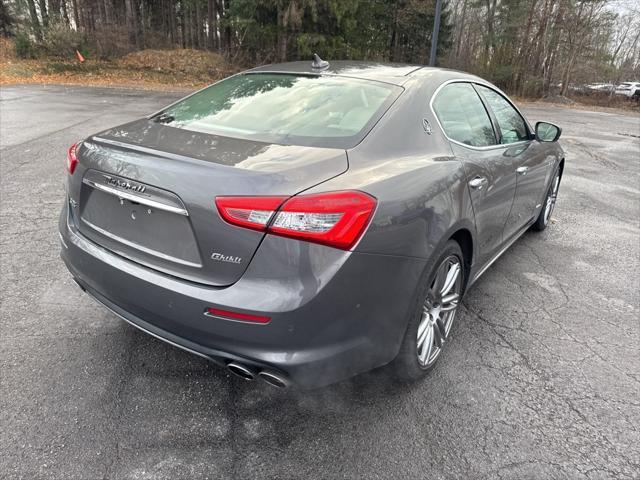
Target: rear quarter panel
(420,185)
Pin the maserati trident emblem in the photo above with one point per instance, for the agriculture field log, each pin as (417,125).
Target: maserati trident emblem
(125,184)
(426,125)
(219,257)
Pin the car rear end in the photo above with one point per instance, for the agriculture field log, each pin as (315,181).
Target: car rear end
(223,243)
(627,89)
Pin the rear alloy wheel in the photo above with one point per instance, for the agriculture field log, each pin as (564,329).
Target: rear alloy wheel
(549,204)
(438,311)
(430,325)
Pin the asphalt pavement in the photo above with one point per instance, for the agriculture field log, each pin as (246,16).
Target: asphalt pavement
(541,378)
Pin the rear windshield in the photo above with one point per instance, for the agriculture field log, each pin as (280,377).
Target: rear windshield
(321,111)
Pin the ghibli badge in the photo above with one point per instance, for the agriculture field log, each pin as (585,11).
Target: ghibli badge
(124,184)
(219,257)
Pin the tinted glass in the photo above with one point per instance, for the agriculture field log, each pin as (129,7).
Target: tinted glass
(463,116)
(283,108)
(512,126)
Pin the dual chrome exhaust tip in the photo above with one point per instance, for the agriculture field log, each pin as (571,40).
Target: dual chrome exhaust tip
(273,378)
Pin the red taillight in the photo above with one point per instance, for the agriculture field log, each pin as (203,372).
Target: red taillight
(337,219)
(242,317)
(248,212)
(72,159)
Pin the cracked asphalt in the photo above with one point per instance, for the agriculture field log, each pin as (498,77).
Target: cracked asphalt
(541,378)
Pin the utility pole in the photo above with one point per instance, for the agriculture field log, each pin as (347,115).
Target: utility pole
(434,35)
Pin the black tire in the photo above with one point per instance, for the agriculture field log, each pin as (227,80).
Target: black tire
(543,220)
(406,367)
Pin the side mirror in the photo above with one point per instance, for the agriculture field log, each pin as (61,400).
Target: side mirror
(547,132)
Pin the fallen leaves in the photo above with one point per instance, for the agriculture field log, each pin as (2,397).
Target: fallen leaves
(147,69)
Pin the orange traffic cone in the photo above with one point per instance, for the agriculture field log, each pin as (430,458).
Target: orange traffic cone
(80,57)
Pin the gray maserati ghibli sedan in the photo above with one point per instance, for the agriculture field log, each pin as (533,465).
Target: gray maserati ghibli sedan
(302,223)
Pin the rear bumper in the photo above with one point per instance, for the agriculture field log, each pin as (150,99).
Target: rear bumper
(334,314)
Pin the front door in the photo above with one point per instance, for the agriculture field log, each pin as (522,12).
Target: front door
(525,155)
(532,174)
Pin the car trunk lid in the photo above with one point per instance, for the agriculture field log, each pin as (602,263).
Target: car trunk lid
(147,192)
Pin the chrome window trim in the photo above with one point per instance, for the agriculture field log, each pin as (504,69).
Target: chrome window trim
(504,95)
(491,87)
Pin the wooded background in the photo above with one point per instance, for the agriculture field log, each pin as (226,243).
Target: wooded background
(528,47)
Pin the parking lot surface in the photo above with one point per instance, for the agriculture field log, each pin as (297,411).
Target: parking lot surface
(541,378)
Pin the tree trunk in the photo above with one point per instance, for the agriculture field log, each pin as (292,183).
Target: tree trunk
(227,28)
(43,12)
(199,31)
(566,75)
(193,33)
(132,23)
(107,11)
(212,26)
(522,54)
(65,13)
(393,43)
(461,27)
(282,32)
(76,16)
(35,21)
(172,23)
(489,40)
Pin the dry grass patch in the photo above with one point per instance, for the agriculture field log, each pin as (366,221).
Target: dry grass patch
(187,61)
(147,69)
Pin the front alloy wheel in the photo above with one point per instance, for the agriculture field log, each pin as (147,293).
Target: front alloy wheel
(549,204)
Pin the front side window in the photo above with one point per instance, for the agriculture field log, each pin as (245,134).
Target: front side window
(463,116)
(512,126)
(288,109)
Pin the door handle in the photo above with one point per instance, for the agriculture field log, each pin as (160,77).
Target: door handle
(478,182)
(522,170)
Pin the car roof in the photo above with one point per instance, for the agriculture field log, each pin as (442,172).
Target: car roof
(394,73)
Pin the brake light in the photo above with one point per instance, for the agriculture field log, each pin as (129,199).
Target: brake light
(248,212)
(72,159)
(337,219)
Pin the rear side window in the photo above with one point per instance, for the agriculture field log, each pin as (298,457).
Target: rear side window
(284,108)
(463,116)
(512,126)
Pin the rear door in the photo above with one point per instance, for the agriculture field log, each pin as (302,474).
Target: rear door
(531,165)
(490,174)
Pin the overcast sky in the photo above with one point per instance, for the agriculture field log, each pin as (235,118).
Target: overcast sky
(624,6)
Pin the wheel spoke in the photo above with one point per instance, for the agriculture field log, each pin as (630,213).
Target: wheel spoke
(451,278)
(427,345)
(441,333)
(439,281)
(422,330)
(452,297)
(449,307)
(450,302)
